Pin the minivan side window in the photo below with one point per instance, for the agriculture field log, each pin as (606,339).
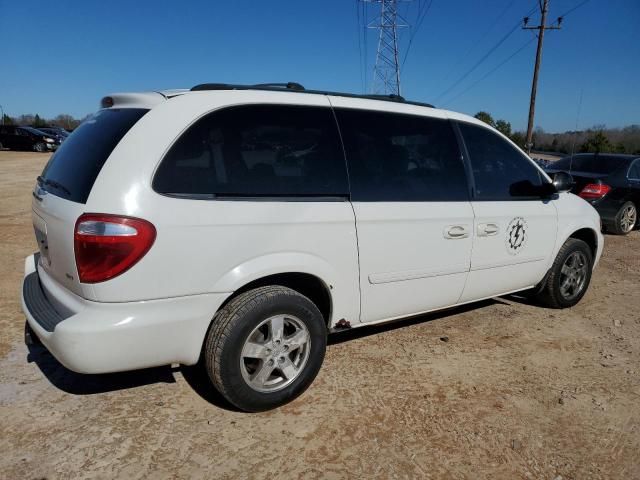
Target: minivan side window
(401,158)
(257,151)
(499,168)
(634,171)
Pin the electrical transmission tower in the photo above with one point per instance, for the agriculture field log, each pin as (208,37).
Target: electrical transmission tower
(386,73)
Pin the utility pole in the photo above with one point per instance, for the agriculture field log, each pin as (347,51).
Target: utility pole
(534,85)
(386,73)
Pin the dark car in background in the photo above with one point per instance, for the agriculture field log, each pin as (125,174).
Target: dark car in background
(27,138)
(58,133)
(609,182)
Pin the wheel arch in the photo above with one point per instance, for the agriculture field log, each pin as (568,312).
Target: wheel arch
(303,272)
(588,236)
(309,285)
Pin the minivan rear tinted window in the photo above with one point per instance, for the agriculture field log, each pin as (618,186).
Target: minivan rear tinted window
(257,151)
(72,170)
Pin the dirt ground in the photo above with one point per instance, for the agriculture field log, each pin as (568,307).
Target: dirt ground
(515,391)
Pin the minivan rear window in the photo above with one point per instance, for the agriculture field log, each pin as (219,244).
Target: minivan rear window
(74,167)
(284,151)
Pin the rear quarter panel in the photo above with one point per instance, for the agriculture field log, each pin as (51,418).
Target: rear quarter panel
(211,246)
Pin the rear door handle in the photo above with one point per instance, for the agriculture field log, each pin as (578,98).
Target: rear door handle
(454,232)
(487,229)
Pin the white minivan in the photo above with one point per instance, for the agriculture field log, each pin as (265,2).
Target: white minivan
(238,225)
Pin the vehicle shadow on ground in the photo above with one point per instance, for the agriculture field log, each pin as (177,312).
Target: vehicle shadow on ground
(88,384)
(196,376)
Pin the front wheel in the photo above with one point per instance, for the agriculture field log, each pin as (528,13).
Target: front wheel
(569,277)
(265,347)
(40,147)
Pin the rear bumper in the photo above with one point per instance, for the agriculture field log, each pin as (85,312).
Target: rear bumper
(93,337)
(607,209)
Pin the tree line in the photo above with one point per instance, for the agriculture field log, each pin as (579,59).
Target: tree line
(596,139)
(63,120)
(592,140)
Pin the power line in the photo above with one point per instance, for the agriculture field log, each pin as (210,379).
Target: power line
(483,58)
(574,8)
(420,19)
(479,41)
(522,47)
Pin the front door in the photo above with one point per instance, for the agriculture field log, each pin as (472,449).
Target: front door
(514,231)
(413,216)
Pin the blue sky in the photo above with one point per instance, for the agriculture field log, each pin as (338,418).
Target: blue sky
(63,56)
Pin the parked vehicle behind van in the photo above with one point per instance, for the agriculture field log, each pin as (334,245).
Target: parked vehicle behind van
(238,225)
(608,181)
(26,138)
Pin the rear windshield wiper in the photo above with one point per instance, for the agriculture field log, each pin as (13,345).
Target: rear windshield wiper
(54,184)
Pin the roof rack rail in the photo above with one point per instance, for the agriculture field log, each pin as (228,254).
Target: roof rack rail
(288,85)
(296,87)
(260,86)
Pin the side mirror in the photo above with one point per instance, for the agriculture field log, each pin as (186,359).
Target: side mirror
(563,182)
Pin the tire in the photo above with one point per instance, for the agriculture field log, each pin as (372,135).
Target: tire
(40,147)
(243,345)
(625,220)
(554,291)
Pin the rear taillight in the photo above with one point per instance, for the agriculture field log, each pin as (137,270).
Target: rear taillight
(594,190)
(108,245)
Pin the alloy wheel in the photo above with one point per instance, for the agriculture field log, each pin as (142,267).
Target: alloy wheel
(573,275)
(275,353)
(628,218)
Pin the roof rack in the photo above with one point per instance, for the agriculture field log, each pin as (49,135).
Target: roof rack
(296,87)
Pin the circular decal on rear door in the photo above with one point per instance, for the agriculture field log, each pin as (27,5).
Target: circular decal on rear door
(516,235)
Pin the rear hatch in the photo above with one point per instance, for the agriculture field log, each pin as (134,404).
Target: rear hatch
(62,190)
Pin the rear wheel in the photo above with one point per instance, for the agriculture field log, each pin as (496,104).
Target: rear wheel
(625,220)
(40,147)
(265,347)
(569,277)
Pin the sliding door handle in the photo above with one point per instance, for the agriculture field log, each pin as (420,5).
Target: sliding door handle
(454,232)
(487,229)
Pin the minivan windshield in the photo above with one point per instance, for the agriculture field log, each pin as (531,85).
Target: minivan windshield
(73,169)
(601,164)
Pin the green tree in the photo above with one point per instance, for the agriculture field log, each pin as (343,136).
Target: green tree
(504,127)
(7,120)
(486,118)
(596,143)
(619,148)
(39,122)
(518,138)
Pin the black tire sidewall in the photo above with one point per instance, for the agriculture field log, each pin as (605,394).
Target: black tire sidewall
(235,387)
(576,245)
